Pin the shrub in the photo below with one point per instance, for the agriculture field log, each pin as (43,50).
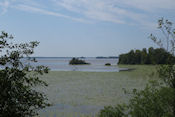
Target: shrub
(18,98)
(157,99)
(153,101)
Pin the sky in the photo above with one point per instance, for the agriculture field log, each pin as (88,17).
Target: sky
(88,28)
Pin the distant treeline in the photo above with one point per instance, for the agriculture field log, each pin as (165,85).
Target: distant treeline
(110,57)
(144,56)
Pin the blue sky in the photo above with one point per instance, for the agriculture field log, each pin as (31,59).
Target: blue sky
(84,27)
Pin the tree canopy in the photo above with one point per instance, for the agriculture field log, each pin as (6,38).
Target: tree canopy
(144,56)
(157,99)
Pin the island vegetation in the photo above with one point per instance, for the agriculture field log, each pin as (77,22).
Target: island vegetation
(144,56)
(77,61)
(108,64)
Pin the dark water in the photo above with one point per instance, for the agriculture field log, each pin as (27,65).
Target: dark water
(62,64)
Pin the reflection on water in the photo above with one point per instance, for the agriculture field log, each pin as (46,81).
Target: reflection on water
(62,64)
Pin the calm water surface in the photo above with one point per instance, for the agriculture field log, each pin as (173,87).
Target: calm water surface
(62,64)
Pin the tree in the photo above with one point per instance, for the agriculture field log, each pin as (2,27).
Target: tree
(154,56)
(144,56)
(169,36)
(167,72)
(157,99)
(18,98)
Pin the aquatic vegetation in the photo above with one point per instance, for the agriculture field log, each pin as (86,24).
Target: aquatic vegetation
(83,94)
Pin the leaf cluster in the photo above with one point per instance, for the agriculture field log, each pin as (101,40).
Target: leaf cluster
(157,99)
(18,77)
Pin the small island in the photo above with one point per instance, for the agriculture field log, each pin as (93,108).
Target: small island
(76,61)
(108,64)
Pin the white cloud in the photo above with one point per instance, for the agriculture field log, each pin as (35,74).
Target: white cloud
(103,10)
(46,12)
(116,11)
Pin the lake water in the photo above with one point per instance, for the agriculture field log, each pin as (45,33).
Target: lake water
(62,64)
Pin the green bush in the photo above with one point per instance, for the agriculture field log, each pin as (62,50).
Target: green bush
(158,98)
(18,97)
(110,111)
(153,101)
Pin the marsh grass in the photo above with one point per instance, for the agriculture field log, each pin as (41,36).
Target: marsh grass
(82,94)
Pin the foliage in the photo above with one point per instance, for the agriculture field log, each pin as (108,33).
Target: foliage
(110,111)
(153,56)
(76,61)
(167,72)
(168,31)
(157,99)
(154,101)
(18,98)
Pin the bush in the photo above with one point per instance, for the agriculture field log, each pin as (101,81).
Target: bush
(110,111)
(18,98)
(76,61)
(157,99)
(153,101)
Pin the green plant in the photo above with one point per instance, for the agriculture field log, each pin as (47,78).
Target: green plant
(18,97)
(154,101)
(158,98)
(109,111)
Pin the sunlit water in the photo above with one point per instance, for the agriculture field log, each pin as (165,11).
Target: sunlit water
(62,64)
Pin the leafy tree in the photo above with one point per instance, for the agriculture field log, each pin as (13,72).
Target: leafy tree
(167,72)
(169,35)
(157,99)
(154,56)
(137,57)
(18,97)
(144,57)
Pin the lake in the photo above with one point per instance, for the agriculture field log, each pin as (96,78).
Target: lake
(62,64)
